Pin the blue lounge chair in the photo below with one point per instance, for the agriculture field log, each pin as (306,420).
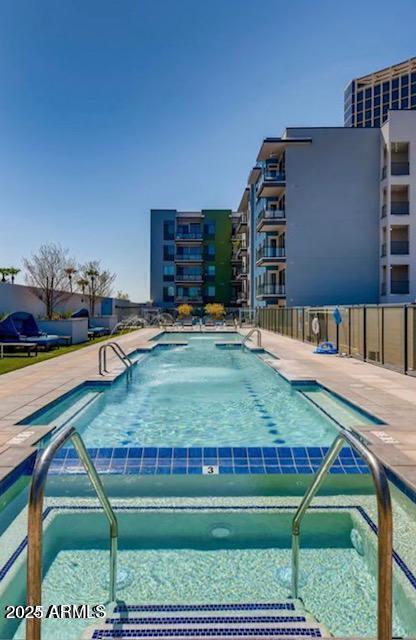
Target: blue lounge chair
(93,332)
(21,326)
(326,348)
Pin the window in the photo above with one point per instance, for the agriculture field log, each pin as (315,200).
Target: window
(377,90)
(377,112)
(368,92)
(211,270)
(405,92)
(209,229)
(386,87)
(168,252)
(368,104)
(168,294)
(168,272)
(395,83)
(377,101)
(404,81)
(211,291)
(404,103)
(168,230)
(395,95)
(211,250)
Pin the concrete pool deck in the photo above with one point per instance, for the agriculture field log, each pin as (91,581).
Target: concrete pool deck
(386,394)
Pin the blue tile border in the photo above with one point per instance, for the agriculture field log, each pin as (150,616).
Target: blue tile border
(261,508)
(187,461)
(307,632)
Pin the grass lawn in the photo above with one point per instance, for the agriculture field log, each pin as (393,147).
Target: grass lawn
(10,363)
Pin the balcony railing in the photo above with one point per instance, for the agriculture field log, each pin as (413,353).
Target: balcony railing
(399,286)
(384,172)
(399,208)
(383,288)
(189,277)
(189,236)
(188,298)
(271,290)
(189,257)
(399,168)
(271,215)
(383,250)
(270,177)
(271,252)
(384,211)
(399,247)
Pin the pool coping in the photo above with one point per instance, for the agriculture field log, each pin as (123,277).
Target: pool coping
(18,450)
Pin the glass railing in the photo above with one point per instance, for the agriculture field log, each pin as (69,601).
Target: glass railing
(189,257)
(189,236)
(399,168)
(188,298)
(189,277)
(271,215)
(399,247)
(271,290)
(399,208)
(271,252)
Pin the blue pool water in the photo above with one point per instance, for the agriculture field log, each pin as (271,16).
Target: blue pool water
(197,395)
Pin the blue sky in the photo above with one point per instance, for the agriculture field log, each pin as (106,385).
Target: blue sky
(110,108)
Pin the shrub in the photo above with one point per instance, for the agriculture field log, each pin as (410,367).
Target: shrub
(215,310)
(184,310)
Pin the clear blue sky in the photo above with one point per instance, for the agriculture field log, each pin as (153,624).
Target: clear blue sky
(110,108)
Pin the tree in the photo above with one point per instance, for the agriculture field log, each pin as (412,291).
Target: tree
(70,272)
(4,272)
(184,310)
(45,273)
(13,272)
(122,295)
(100,281)
(215,309)
(82,283)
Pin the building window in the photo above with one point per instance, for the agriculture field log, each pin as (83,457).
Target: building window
(211,291)
(168,230)
(210,251)
(168,272)
(209,229)
(168,252)
(168,294)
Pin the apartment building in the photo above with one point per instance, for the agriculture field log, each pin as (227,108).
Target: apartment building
(368,100)
(312,210)
(190,257)
(398,208)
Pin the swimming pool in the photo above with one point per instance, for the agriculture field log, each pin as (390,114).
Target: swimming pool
(199,394)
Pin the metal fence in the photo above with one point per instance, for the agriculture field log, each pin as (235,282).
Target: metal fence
(381,334)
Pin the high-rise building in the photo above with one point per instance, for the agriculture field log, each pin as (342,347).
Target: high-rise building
(367,100)
(190,257)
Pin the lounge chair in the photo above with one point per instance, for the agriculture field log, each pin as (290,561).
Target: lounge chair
(21,326)
(93,332)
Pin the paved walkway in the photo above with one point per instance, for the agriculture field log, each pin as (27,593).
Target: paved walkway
(389,395)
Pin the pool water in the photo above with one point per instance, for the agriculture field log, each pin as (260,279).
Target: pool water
(217,555)
(198,395)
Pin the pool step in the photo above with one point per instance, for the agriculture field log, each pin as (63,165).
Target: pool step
(281,620)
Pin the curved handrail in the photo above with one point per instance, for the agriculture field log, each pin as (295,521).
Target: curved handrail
(250,333)
(35,514)
(385,526)
(120,353)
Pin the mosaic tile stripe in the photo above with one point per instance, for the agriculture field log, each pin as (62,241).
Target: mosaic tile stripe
(207,620)
(284,606)
(307,632)
(188,461)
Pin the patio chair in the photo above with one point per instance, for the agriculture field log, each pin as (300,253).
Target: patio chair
(93,332)
(21,326)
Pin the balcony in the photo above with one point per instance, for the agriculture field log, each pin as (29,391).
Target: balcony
(189,237)
(188,257)
(399,247)
(242,249)
(236,256)
(269,256)
(399,208)
(189,299)
(271,184)
(242,222)
(383,250)
(399,286)
(271,220)
(271,291)
(384,211)
(399,168)
(383,289)
(242,274)
(189,277)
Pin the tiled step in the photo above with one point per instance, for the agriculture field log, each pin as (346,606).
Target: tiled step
(282,620)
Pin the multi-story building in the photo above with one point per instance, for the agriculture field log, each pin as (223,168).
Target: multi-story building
(191,258)
(367,100)
(312,207)
(398,208)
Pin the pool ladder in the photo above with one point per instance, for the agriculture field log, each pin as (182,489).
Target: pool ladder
(385,526)
(35,519)
(120,353)
(248,336)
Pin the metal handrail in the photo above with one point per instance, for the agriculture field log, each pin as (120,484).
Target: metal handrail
(385,527)
(250,333)
(35,514)
(120,353)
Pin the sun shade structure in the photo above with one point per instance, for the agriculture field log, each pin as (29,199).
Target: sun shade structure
(21,326)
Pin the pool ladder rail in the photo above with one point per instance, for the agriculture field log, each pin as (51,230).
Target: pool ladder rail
(250,334)
(119,352)
(35,520)
(385,527)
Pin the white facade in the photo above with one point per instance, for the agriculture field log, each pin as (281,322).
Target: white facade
(398,208)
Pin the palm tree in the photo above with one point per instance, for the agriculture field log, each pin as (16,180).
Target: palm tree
(92,274)
(82,283)
(5,271)
(13,273)
(70,271)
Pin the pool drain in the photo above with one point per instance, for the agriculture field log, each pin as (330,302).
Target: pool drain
(220,531)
